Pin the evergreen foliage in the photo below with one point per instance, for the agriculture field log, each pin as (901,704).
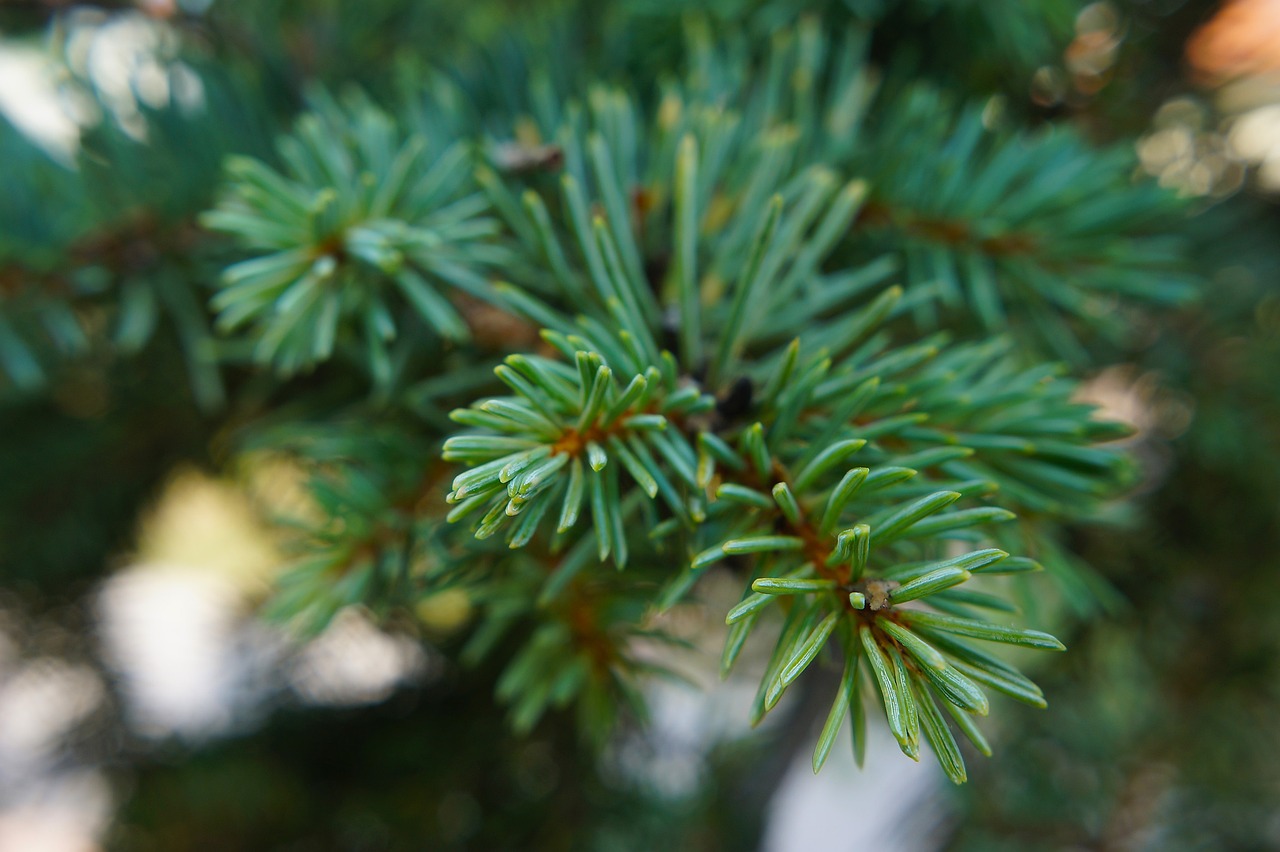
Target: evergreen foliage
(724,376)
(573,311)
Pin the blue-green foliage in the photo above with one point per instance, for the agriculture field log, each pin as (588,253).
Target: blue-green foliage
(732,385)
(363,219)
(101,252)
(684,326)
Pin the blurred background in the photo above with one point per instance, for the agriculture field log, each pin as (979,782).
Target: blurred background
(145,704)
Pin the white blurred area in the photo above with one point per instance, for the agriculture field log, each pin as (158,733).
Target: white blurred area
(192,662)
(45,804)
(126,59)
(191,658)
(1228,134)
(188,661)
(68,815)
(1255,136)
(891,805)
(182,656)
(29,99)
(354,663)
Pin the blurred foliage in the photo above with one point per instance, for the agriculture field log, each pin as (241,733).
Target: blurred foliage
(386,787)
(1177,754)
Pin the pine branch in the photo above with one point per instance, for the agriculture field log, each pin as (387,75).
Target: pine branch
(853,551)
(365,218)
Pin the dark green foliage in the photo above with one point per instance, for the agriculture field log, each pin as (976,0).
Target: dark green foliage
(93,456)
